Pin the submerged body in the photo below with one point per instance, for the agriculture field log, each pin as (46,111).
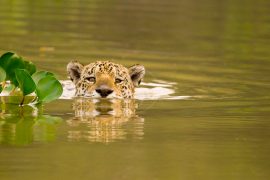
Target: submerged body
(105,79)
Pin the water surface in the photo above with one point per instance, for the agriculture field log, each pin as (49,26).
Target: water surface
(216,53)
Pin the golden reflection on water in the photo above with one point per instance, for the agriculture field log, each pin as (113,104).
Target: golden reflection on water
(94,120)
(105,121)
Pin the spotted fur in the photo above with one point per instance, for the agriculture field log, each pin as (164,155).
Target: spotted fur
(119,80)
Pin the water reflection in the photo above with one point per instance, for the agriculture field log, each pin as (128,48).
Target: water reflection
(98,120)
(25,125)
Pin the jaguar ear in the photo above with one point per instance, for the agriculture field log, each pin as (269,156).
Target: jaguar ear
(136,73)
(74,70)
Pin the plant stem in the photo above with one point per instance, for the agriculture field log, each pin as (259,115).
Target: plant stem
(22,101)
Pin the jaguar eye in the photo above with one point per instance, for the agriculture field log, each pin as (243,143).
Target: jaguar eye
(91,79)
(117,80)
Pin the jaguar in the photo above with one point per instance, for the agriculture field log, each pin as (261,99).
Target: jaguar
(105,79)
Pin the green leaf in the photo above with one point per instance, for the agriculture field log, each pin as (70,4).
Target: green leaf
(2,74)
(40,74)
(26,83)
(49,89)
(30,67)
(4,59)
(10,62)
(1,88)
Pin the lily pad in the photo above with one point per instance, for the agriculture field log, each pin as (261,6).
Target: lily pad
(30,67)
(2,74)
(10,62)
(40,74)
(26,83)
(48,89)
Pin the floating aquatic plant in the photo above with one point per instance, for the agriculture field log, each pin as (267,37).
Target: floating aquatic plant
(20,75)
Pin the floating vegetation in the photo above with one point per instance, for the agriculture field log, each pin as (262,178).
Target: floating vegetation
(19,77)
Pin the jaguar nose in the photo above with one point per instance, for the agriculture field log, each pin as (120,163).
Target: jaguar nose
(104,91)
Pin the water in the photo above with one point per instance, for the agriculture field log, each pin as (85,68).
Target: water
(215,53)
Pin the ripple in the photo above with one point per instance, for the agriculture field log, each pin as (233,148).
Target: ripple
(156,90)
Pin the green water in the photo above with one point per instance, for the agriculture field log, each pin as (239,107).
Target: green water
(217,52)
